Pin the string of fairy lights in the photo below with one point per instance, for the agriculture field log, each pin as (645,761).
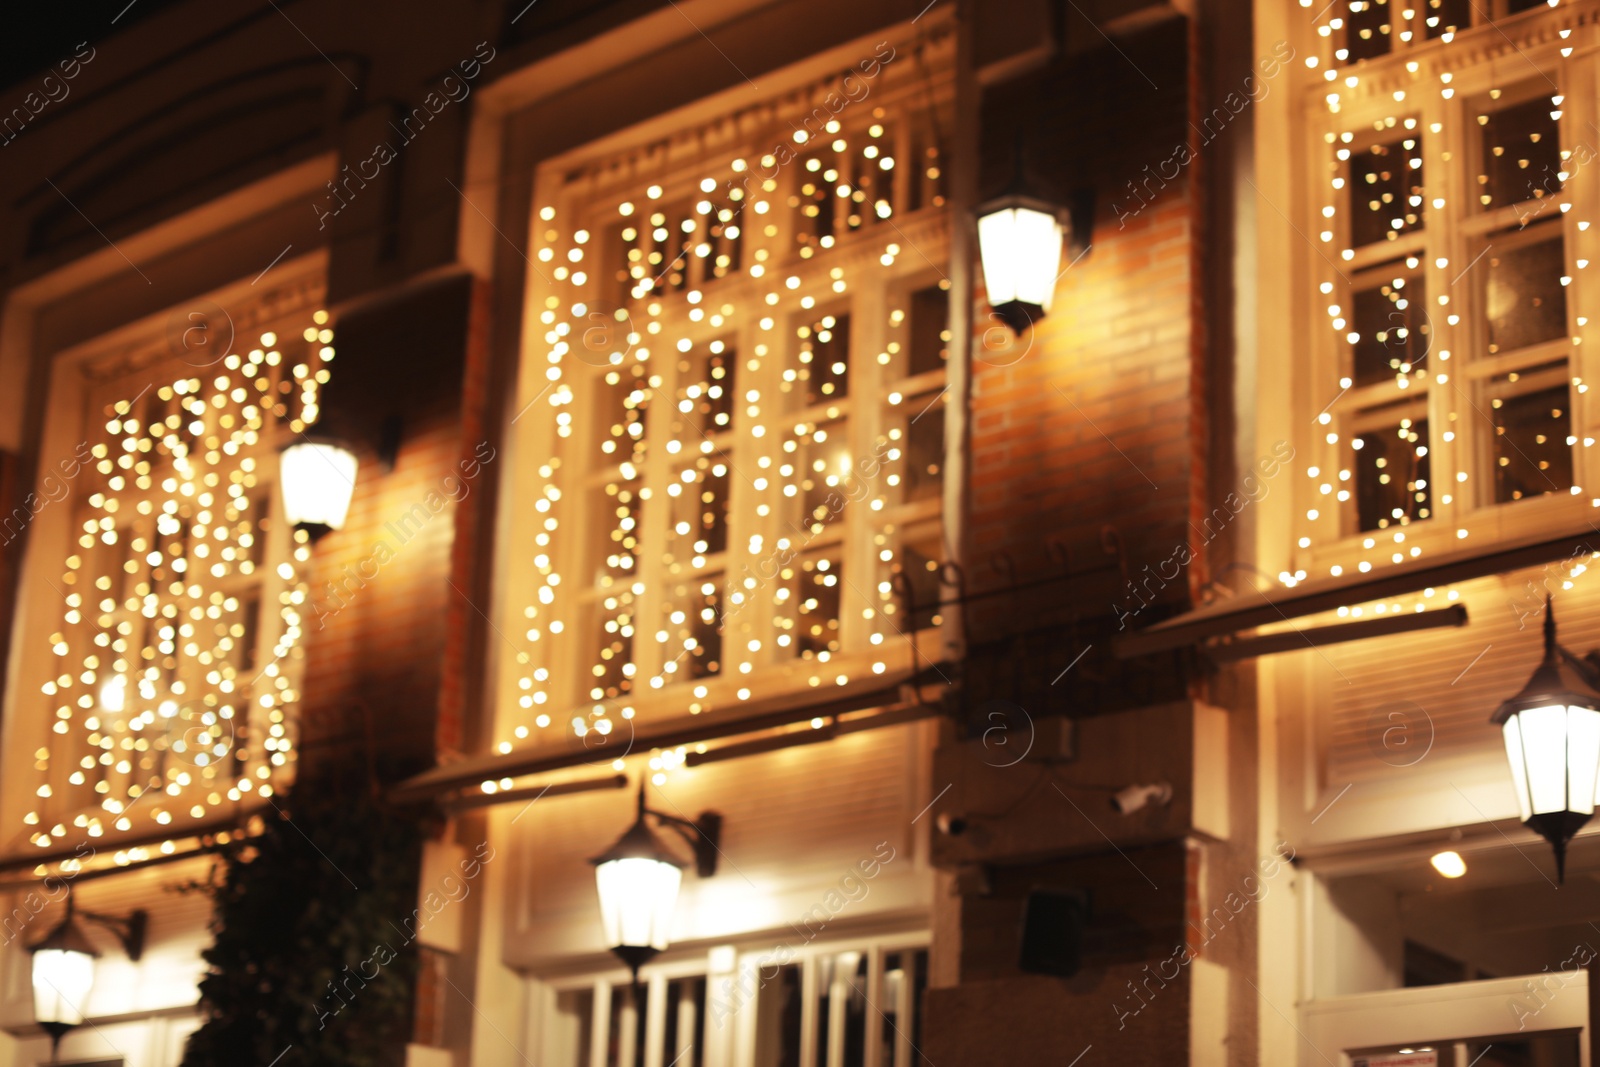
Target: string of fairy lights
(176,658)
(697,455)
(1446,266)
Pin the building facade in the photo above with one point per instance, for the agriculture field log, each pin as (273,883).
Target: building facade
(1114,688)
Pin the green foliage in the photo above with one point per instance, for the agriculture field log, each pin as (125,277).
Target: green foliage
(311,951)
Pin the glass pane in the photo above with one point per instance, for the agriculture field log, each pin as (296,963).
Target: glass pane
(1385,190)
(1391,468)
(1521,153)
(614,511)
(1390,324)
(1446,16)
(611,653)
(706,393)
(621,399)
(694,644)
(930,317)
(1369,32)
(1555,1048)
(778,1020)
(719,239)
(917,568)
(572,1027)
(670,238)
(827,474)
(1532,456)
(699,511)
(1526,301)
(847,182)
(808,606)
(814,225)
(927,184)
(823,361)
(924,466)
(684,1044)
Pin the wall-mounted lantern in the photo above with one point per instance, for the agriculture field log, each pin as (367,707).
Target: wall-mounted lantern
(1552,736)
(1020,240)
(1021,237)
(63,968)
(638,879)
(318,477)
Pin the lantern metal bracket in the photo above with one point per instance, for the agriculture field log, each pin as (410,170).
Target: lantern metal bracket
(1588,666)
(702,835)
(130,931)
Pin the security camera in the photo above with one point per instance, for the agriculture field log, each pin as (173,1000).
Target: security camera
(951,825)
(1135,797)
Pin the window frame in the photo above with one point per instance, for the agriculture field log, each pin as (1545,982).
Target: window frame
(148,345)
(874,279)
(1477,61)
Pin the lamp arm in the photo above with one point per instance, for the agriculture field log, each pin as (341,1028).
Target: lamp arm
(686,827)
(1588,666)
(703,836)
(129,931)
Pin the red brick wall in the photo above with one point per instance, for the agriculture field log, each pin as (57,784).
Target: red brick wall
(1088,437)
(374,649)
(383,659)
(1092,425)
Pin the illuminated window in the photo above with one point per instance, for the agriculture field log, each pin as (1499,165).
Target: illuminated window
(1446,375)
(175,662)
(737,406)
(1372,29)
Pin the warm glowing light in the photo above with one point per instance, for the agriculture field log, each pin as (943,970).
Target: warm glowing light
(319,479)
(1020,243)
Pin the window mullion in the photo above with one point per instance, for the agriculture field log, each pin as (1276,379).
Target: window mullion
(651,655)
(1444,177)
(869,312)
(751,616)
(1583,191)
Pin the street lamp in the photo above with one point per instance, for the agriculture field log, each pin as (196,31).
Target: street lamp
(638,880)
(1552,735)
(63,968)
(1020,239)
(318,477)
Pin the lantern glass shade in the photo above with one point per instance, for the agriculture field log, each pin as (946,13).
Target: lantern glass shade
(62,978)
(638,896)
(318,478)
(1020,241)
(1552,735)
(1554,752)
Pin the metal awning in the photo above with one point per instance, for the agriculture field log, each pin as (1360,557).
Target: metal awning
(893,691)
(1249,610)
